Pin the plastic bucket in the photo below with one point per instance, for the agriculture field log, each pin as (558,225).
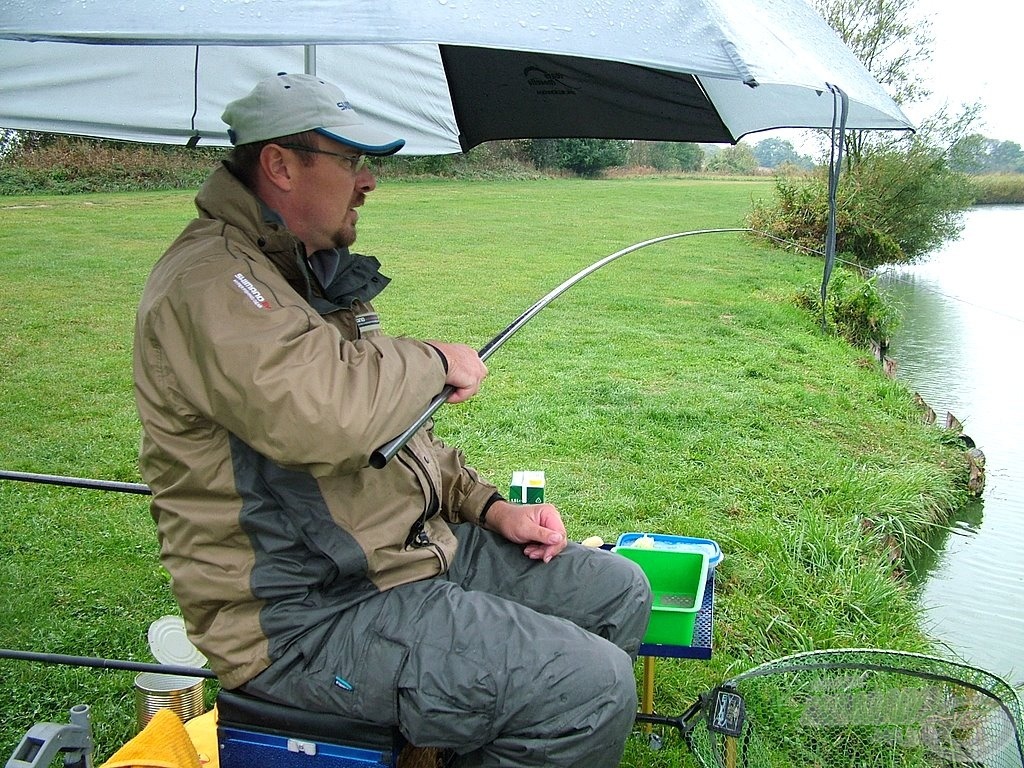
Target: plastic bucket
(155,691)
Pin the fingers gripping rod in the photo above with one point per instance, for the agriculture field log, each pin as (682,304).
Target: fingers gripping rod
(380,457)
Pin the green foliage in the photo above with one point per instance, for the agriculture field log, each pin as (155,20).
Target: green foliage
(772,153)
(492,160)
(737,160)
(893,206)
(857,311)
(588,157)
(1004,188)
(666,156)
(891,40)
(62,165)
(975,154)
(689,156)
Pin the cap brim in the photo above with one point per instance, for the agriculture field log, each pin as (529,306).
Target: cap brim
(367,141)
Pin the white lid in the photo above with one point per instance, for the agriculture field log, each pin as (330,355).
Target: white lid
(170,644)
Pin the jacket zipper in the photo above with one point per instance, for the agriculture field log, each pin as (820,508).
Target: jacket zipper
(418,536)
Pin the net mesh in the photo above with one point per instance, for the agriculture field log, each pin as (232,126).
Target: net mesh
(859,708)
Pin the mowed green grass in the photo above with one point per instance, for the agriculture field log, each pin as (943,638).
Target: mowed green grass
(677,390)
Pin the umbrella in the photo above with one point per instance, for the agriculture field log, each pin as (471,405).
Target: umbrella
(445,74)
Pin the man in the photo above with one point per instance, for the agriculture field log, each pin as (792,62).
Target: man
(412,595)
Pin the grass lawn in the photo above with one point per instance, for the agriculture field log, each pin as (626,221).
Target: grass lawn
(677,390)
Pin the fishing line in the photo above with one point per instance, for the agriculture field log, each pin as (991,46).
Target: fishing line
(892,274)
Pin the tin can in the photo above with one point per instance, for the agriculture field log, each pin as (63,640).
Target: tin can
(181,695)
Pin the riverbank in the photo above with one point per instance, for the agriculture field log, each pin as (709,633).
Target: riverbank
(678,390)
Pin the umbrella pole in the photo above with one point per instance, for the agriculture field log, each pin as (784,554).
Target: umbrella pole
(380,457)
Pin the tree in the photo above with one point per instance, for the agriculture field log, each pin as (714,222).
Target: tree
(901,195)
(10,140)
(771,153)
(738,159)
(666,155)
(887,43)
(689,156)
(1005,157)
(588,157)
(975,154)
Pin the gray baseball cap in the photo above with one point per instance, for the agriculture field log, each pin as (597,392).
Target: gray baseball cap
(287,104)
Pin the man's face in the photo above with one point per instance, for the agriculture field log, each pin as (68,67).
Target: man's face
(327,194)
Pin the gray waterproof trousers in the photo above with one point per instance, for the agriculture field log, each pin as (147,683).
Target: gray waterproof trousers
(505,660)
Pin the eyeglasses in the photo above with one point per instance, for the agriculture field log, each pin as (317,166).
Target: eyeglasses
(355,162)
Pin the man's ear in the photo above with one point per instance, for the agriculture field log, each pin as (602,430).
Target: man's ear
(277,167)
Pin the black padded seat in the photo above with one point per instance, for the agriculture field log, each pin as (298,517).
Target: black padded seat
(241,711)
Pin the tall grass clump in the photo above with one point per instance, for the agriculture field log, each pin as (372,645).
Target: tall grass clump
(999,188)
(855,308)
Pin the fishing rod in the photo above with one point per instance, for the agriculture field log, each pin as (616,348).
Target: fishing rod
(98,663)
(76,482)
(380,457)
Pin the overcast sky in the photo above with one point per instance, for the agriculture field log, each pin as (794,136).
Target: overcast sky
(978,56)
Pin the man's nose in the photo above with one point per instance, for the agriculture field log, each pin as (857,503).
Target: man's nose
(365,180)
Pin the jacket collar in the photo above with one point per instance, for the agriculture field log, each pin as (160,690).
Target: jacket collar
(355,278)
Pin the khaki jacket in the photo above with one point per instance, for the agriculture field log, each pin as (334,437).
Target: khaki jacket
(261,401)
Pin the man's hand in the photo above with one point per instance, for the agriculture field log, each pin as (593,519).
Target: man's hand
(538,526)
(465,369)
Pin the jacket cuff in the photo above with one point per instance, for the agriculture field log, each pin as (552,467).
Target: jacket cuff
(444,360)
(482,520)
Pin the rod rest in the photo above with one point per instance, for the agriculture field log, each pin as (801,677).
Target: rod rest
(244,712)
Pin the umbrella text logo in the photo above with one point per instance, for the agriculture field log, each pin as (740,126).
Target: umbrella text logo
(548,83)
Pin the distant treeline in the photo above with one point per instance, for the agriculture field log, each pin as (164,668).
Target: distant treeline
(34,163)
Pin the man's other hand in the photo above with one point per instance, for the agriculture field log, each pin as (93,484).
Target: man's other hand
(538,526)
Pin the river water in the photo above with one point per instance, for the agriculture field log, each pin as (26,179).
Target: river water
(961,346)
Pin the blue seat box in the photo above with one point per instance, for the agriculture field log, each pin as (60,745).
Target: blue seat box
(254,732)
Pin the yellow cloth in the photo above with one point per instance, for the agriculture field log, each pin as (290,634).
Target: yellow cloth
(163,743)
(203,732)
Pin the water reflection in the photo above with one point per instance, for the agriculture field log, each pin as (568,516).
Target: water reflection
(966,523)
(959,346)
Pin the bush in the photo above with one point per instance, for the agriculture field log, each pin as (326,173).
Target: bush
(893,206)
(737,160)
(64,166)
(666,156)
(34,163)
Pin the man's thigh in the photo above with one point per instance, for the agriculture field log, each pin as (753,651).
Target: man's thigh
(598,590)
(462,669)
